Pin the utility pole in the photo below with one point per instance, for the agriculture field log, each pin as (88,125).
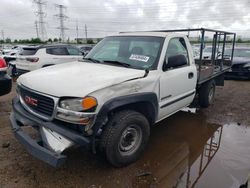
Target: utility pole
(77,34)
(86,33)
(37,32)
(62,17)
(2,33)
(41,15)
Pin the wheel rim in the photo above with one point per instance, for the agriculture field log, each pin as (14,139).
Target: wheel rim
(211,95)
(130,140)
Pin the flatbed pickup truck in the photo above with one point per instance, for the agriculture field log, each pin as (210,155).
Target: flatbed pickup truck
(109,101)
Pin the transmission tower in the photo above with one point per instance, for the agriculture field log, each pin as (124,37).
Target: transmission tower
(41,15)
(62,17)
(37,31)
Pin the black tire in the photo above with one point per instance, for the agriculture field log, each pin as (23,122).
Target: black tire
(119,132)
(206,94)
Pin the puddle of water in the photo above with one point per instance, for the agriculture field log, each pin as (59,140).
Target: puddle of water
(185,151)
(230,167)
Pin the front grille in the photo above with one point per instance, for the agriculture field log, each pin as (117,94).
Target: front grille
(38,103)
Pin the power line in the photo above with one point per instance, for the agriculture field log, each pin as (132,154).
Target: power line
(181,4)
(62,17)
(147,7)
(222,13)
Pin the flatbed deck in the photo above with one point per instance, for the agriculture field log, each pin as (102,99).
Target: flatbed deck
(209,72)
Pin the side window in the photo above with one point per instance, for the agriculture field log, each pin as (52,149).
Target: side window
(57,51)
(73,51)
(177,50)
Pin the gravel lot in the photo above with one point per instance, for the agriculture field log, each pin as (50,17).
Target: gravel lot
(181,136)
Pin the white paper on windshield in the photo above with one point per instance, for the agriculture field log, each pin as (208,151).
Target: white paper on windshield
(139,57)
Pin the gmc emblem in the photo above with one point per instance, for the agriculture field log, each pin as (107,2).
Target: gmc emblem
(30,101)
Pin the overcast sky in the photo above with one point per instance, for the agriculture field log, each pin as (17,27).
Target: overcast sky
(17,17)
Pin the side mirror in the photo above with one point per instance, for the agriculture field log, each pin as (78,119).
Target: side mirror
(175,61)
(83,54)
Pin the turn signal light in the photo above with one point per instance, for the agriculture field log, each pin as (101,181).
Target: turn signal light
(2,63)
(32,59)
(88,103)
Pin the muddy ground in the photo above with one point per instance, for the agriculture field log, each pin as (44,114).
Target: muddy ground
(218,136)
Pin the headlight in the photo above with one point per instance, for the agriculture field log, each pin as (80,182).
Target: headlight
(78,104)
(77,111)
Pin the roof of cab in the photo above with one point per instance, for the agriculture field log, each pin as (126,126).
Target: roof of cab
(154,34)
(54,45)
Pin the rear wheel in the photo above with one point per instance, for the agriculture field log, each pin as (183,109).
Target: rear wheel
(125,137)
(206,94)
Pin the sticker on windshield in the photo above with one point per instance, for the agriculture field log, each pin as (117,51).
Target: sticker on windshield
(139,57)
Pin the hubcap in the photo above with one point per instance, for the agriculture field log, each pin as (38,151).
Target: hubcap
(130,140)
(211,95)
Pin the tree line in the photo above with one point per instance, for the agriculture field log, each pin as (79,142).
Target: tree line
(39,41)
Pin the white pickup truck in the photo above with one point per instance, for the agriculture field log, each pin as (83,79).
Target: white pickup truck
(109,101)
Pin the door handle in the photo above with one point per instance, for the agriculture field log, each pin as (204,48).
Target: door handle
(190,75)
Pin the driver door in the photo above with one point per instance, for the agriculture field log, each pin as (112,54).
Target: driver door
(177,84)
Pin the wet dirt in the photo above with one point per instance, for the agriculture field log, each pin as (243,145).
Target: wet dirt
(209,148)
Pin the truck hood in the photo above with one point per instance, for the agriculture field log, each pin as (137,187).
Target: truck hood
(76,79)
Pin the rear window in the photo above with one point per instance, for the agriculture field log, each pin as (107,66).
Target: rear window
(86,48)
(57,51)
(28,51)
(74,51)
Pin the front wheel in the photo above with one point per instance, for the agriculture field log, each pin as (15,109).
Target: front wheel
(125,137)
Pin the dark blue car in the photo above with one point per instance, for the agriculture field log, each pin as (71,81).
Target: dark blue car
(241,63)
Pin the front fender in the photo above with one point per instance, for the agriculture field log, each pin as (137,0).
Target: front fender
(147,97)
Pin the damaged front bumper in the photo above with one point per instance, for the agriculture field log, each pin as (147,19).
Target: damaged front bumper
(55,137)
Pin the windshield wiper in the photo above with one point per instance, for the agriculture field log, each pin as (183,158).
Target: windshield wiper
(93,60)
(114,62)
(117,63)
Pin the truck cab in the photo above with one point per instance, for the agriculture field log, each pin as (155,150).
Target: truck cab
(109,101)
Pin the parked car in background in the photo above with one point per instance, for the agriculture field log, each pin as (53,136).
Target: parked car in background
(36,57)
(5,80)
(10,59)
(11,51)
(207,52)
(241,63)
(6,49)
(85,49)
